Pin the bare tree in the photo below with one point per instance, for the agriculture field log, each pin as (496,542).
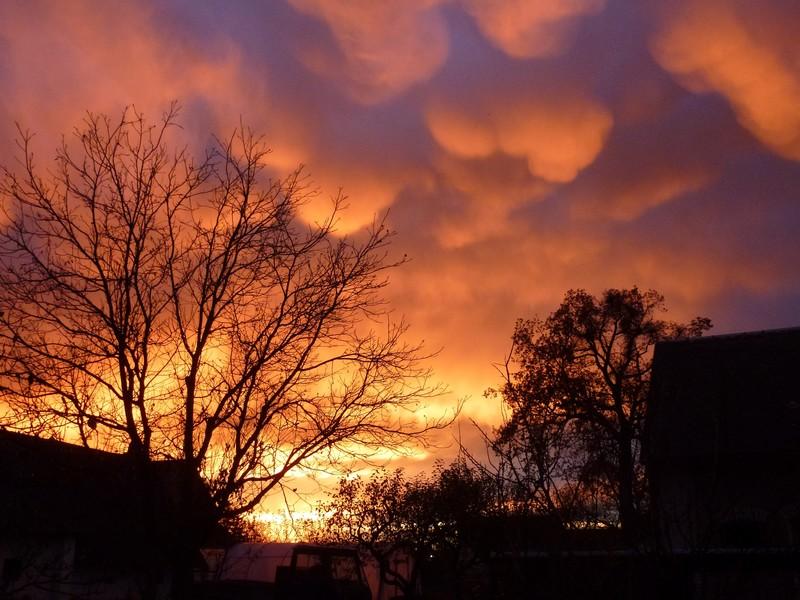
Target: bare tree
(179,308)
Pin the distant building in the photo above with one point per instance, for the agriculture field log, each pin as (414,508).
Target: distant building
(78,522)
(723,448)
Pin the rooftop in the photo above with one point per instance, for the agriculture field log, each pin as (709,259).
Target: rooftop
(727,394)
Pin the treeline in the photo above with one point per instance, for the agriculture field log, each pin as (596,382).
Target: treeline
(564,473)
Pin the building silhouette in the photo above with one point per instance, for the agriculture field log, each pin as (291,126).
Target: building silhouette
(723,454)
(78,522)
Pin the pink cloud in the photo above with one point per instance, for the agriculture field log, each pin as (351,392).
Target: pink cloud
(525,29)
(743,53)
(385,47)
(557,139)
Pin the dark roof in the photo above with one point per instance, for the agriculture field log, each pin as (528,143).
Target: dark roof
(48,487)
(725,395)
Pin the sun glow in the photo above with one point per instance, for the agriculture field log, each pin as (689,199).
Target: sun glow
(286,525)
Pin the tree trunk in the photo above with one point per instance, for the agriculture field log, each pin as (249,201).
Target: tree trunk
(627,508)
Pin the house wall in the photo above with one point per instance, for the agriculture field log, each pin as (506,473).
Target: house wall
(745,501)
(51,568)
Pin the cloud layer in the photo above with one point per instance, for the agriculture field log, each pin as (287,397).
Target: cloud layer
(521,148)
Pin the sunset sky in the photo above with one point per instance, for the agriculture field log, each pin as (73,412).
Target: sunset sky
(521,147)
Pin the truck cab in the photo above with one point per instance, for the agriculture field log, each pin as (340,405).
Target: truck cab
(286,572)
(322,572)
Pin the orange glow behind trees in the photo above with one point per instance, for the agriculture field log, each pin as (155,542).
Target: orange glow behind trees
(518,148)
(177,308)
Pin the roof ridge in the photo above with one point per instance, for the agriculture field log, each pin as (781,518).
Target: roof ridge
(734,335)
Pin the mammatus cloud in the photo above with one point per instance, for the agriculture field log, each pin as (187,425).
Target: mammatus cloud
(625,200)
(385,47)
(557,139)
(368,190)
(73,57)
(650,163)
(481,193)
(522,147)
(734,49)
(526,29)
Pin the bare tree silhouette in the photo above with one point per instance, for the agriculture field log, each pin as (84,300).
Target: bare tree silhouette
(179,308)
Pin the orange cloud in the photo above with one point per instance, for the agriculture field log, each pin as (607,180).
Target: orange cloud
(627,199)
(508,178)
(741,54)
(488,190)
(102,58)
(387,46)
(557,139)
(526,29)
(70,57)
(369,191)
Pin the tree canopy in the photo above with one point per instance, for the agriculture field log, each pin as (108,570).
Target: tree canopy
(435,521)
(576,387)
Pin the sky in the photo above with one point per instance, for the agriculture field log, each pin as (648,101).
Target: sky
(521,148)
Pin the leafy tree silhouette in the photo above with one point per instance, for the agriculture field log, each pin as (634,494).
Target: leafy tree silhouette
(576,387)
(434,524)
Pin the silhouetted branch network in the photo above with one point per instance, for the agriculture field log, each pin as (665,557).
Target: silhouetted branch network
(178,307)
(575,392)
